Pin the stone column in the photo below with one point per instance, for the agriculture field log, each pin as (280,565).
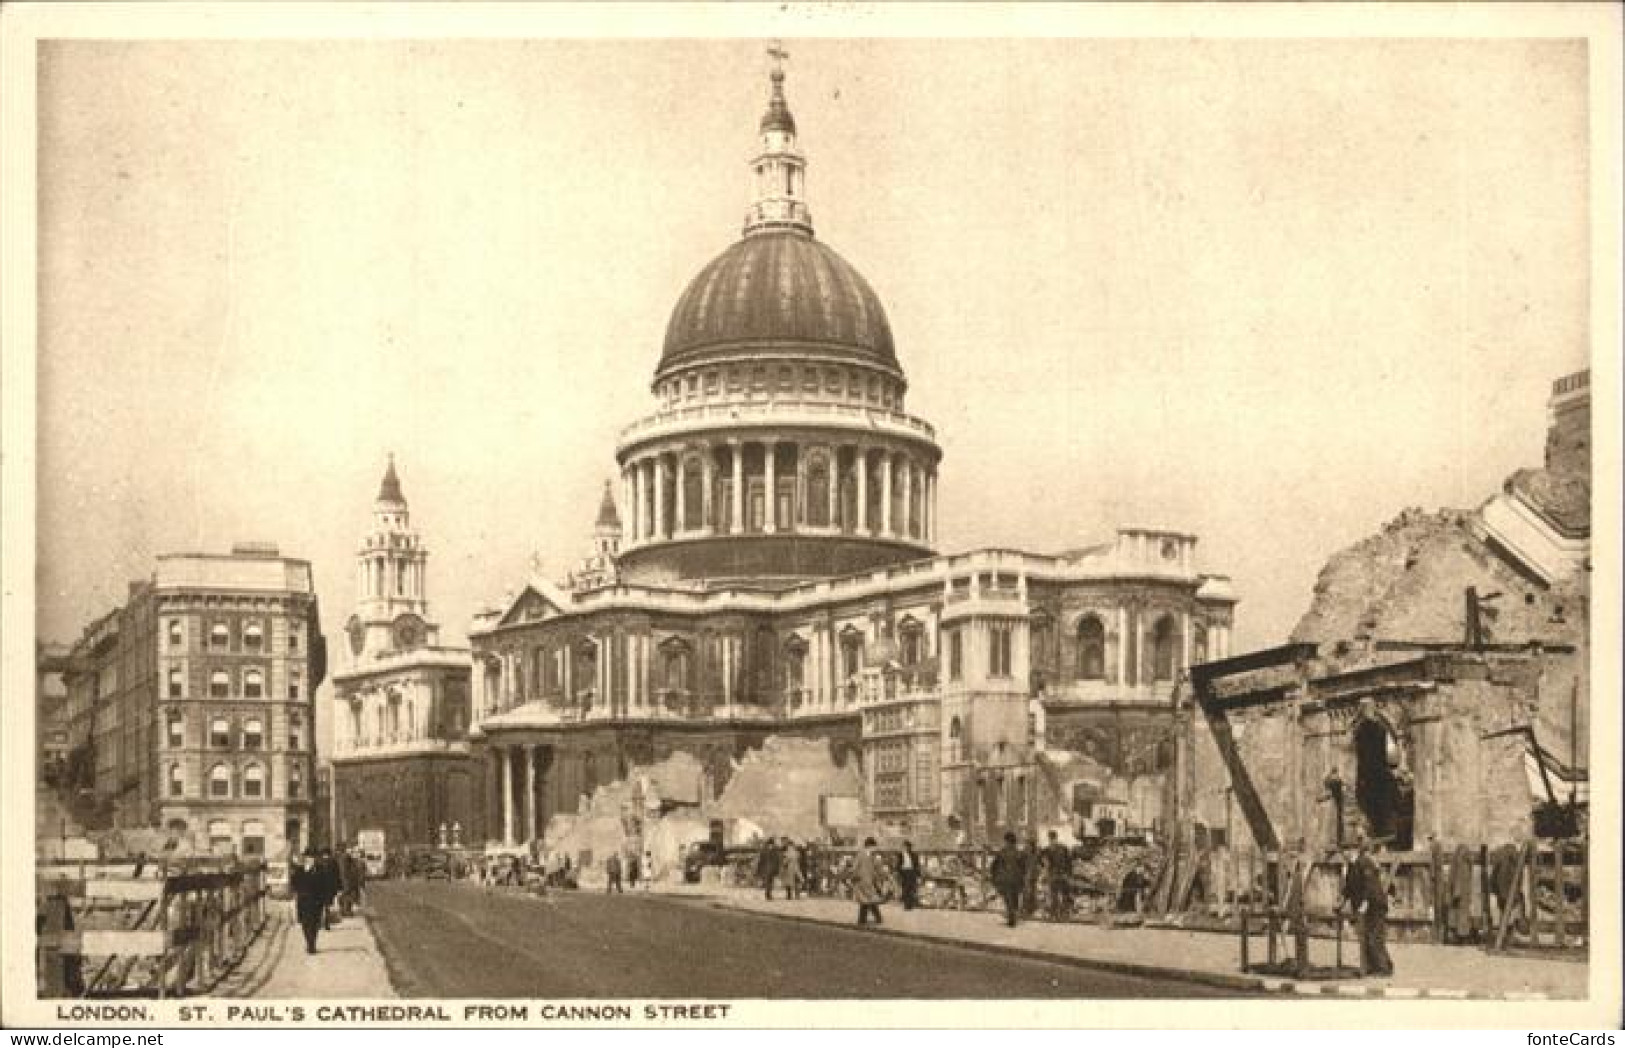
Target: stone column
(737,525)
(886,522)
(681,522)
(834,474)
(524,810)
(770,483)
(707,495)
(532,792)
(506,764)
(660,497)
(910,522)
(863,488)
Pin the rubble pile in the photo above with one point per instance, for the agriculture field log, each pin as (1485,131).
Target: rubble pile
(1102,867)
(778,787)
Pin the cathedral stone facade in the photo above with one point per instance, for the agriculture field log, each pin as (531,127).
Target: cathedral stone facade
(401,706)
(772,569)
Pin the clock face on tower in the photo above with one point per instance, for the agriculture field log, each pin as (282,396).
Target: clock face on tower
(408,632)
(357,634)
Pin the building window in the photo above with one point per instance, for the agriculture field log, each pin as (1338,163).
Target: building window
(293,638)
(220,781)
(956,655)
(219,636)
(296,732)
(956,741)
(1198,643)
(912,637)
(693,495)
(254,684)
(253,838)
(177,731)
(674,656)
(1163,635)
(1091,649)
(998,651)
(818,493)
(293,684)
(177,781)
(254,781)
(253,733)
(219,733)
(219,684)
(851,653)
(177,636)
(219,836)
(253,637)
(177,683)
(296,781)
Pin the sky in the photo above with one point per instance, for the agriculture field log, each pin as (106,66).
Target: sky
(1269,292)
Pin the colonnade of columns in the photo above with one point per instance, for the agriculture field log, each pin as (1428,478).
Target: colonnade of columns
(701,490)
(519,773)
(378,576)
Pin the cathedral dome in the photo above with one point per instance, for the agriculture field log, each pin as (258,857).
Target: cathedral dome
(778,289)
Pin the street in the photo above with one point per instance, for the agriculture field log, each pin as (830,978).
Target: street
(445,939)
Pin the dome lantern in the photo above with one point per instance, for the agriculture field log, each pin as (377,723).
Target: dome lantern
(779,170)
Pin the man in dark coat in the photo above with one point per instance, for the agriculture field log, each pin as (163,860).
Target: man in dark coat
(1009,876)
(612,873)
(1058,871)
(767,865)
(1031,857)
(327,871)
(908,872)
(310,897)
(1366,895)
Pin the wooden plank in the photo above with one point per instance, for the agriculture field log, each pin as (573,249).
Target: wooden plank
(107,942)
(1560,896)
(123,890)
(1440,906)
(1510,904)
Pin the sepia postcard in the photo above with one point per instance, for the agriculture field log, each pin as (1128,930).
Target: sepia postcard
(811,515)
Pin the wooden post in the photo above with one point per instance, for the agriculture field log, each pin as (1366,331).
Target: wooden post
(1485,890)
(1243,913)
(1440,896)
(1515,890)
(1559,900)
(1531,901)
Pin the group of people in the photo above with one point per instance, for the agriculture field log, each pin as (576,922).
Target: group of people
(785,864)
(319,879)
(1016,873)
(635,868)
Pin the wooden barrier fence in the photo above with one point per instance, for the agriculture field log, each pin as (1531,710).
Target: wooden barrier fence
(107,928)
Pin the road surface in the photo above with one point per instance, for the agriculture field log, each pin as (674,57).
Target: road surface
(444,939)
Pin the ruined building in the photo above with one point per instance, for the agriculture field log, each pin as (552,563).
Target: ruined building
(771,569)
(1437,687)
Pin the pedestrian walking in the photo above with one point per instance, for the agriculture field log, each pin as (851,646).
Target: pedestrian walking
(310,897)
(327,868)
(1367,896)
(1030,861)
(633,870)
(648,870)
(790,869)
(908,873)
(1058,871)
(612,874)
(1009,876)
(867,887)
(767,866)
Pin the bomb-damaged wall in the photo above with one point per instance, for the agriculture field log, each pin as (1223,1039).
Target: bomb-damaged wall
(1432,728)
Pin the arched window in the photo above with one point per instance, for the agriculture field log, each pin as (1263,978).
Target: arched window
(177,635)
(220,781)
(219,684)
(254,781)
(177,781)
(693,494)
(1163,636)
(253,636)
(177,729)
(1091,649)
(219,635)
(296,781)
(253,733)
(818,492)
(795,666)
(956,741)
(177,683)
(220,733)
(911,641)
(1198,643)
(254,684)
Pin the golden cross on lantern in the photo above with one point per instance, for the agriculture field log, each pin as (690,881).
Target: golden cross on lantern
(777,52)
